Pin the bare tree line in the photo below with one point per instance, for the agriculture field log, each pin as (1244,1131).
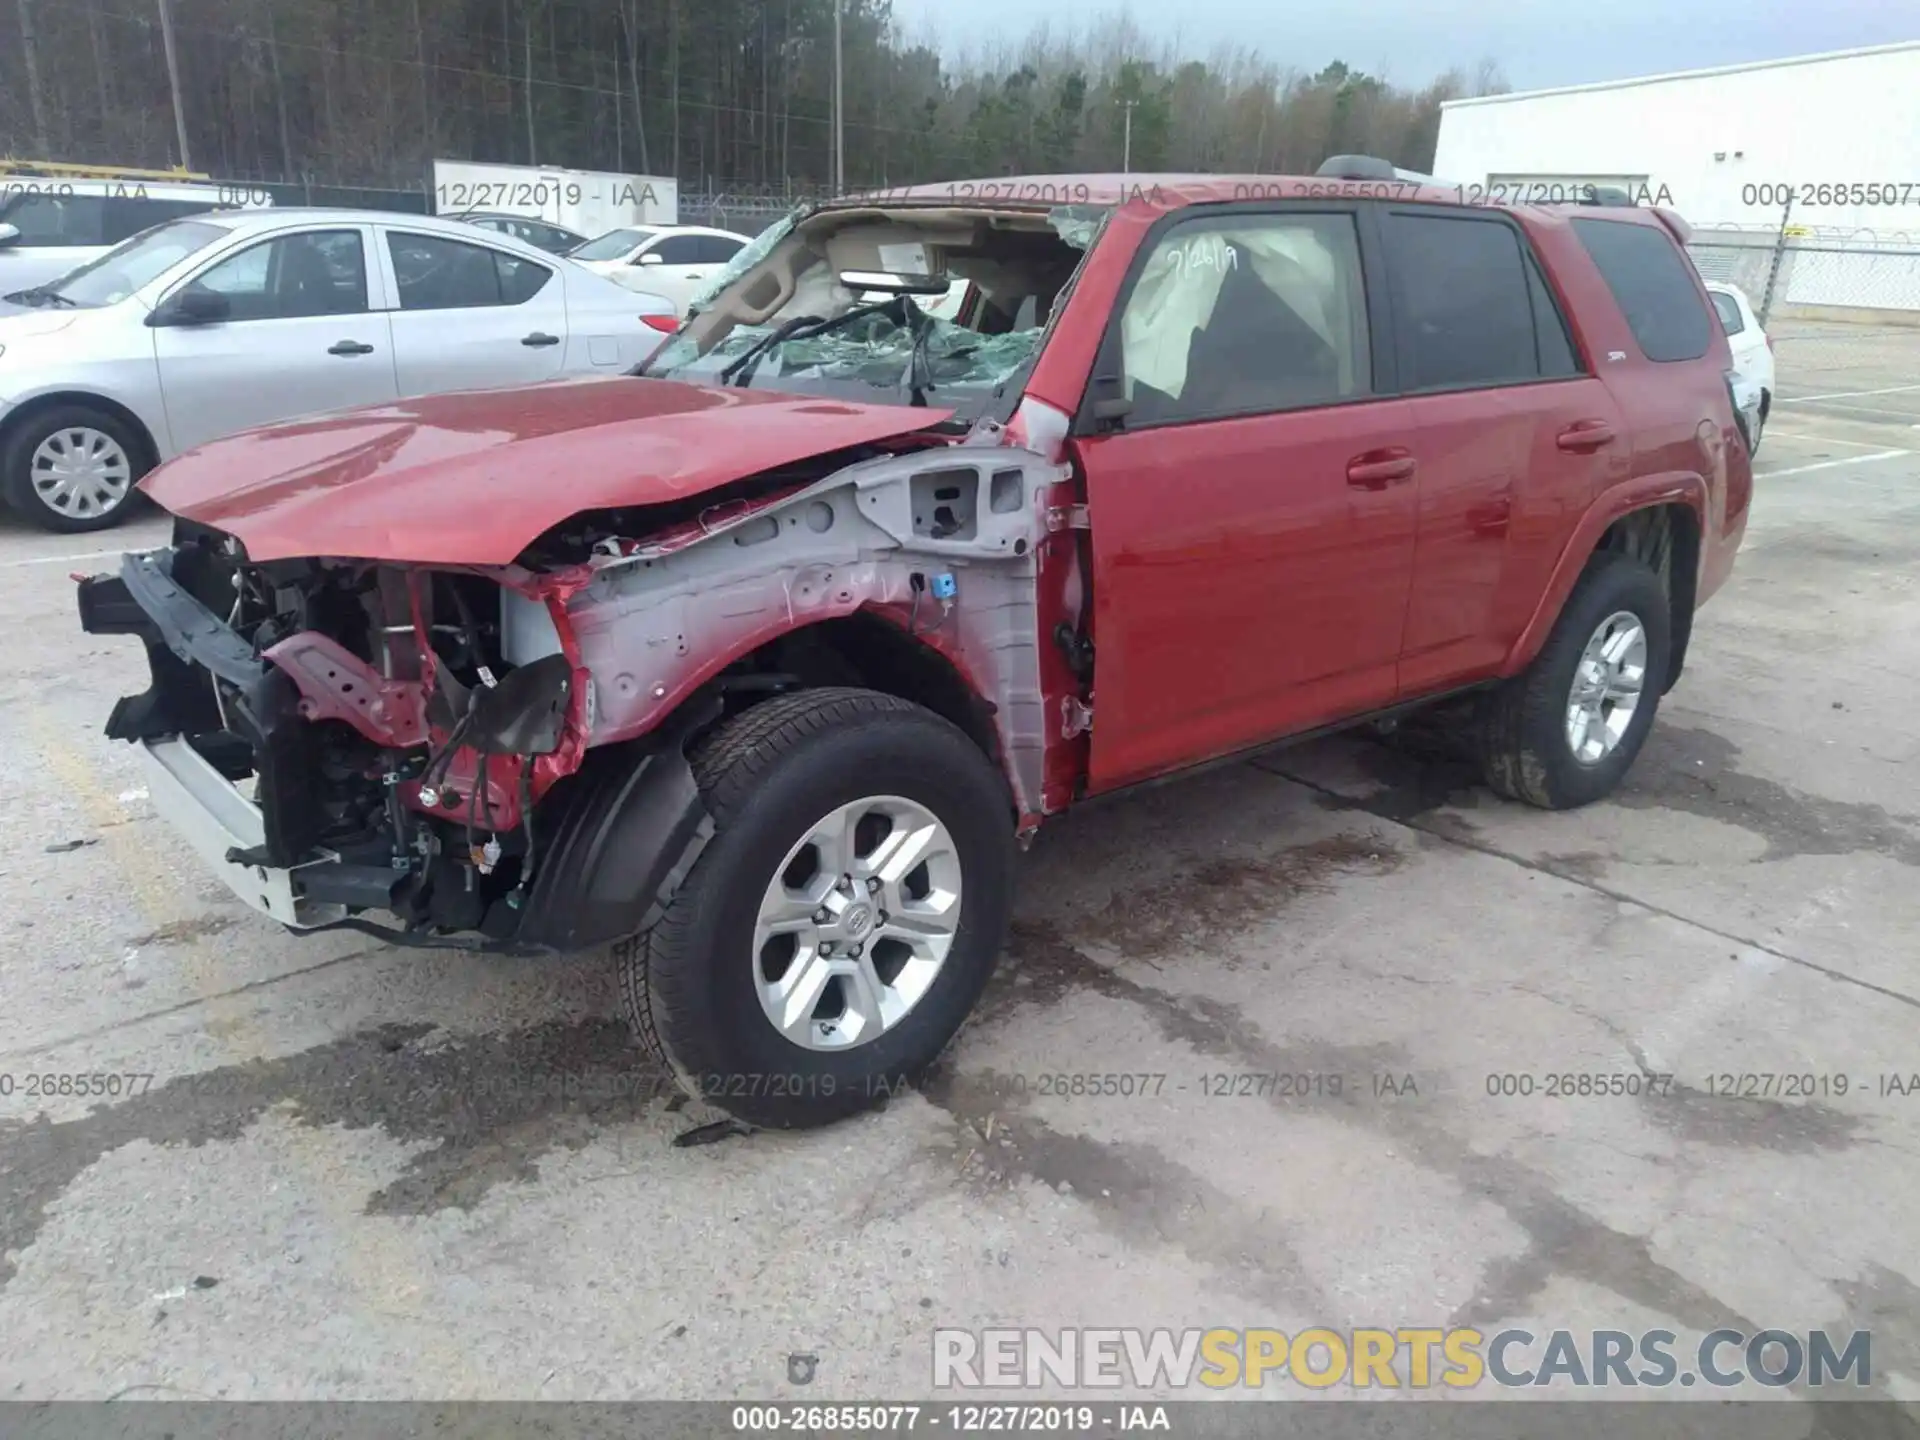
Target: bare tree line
(720,93)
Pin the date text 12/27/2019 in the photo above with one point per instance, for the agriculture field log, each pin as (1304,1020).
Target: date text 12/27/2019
(951,1419)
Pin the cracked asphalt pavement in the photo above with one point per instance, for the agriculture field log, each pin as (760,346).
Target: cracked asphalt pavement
(347,1171)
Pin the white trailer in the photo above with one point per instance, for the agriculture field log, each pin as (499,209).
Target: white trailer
(591,202)
(1723,147)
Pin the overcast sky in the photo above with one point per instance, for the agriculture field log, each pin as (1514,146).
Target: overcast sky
(1536,42)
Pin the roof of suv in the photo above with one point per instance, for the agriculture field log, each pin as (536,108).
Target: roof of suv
(1170,189)
(1175,190)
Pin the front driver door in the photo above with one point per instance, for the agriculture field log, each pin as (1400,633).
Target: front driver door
(1253,511)
(299,339)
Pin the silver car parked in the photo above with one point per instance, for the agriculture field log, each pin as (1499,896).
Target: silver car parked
(202,327)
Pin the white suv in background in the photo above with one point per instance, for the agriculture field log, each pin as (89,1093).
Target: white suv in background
(1752,350)
(50,224)
(674,262)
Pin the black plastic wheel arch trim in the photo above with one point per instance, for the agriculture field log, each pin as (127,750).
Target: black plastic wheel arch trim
(629,825)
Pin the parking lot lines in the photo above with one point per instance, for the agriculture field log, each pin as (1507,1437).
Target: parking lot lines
(1802,437)
(1846,394)
(62,559)
(1744,903)
(1831,464)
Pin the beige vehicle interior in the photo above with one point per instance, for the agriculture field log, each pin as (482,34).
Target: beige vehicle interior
(1015,263)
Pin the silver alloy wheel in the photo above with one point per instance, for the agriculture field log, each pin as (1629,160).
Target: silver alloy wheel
(857,922)
(81,472)
(1607,684)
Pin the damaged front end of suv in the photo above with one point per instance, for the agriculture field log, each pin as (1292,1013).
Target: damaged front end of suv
(494,755)
(433,671)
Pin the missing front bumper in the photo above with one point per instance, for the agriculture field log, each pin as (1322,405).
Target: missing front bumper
(234,768)
(216,819)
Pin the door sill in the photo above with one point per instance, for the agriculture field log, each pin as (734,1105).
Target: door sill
(1396,711)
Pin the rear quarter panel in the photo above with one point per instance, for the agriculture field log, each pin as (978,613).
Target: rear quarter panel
(1685,445)
(605,333)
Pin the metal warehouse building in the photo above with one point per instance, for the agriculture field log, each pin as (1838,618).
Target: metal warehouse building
(1801,177)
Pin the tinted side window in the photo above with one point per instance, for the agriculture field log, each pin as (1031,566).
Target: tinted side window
(435,273)
(1729,309)
(58,220)
(1557,358)
(520,280)
(1464,306)
(127,216)
(1653,286)
(716,249)
(321,272)
(681,250)
(1246,314)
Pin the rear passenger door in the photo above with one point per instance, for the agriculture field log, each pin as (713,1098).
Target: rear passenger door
(1512,433)
(471,317)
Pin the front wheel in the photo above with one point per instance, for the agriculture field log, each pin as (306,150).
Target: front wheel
(71,468)
(843,920)
(1565,730)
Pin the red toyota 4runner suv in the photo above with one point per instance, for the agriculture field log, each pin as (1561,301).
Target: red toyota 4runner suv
(758,667)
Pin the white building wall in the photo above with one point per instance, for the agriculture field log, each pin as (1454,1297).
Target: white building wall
(1707,136)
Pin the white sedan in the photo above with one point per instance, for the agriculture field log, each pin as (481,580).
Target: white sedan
(674,262)
(202,327)
(1752,349)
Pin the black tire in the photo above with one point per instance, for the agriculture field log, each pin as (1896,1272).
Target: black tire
(16,475)
(1521,736)
(767,775)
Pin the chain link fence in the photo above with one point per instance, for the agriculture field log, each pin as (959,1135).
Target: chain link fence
(747,209)
(416,201)
(1785,269)
(1812,271)
(742,214)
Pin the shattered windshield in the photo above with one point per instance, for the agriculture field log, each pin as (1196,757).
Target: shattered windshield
(745,258)
(941,308)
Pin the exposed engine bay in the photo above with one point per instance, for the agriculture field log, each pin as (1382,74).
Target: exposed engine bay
(493,755)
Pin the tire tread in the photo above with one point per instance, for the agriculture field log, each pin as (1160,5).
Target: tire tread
(1523,713)
(729,764)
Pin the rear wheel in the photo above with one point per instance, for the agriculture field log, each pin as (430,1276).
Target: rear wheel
(841,923)
(1564,731)
(72,468)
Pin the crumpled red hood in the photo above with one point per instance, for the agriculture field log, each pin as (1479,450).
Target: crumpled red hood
(473,478)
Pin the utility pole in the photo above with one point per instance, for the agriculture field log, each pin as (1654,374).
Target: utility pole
(36,97)
(1126,142)
(173,81)
(839,122)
